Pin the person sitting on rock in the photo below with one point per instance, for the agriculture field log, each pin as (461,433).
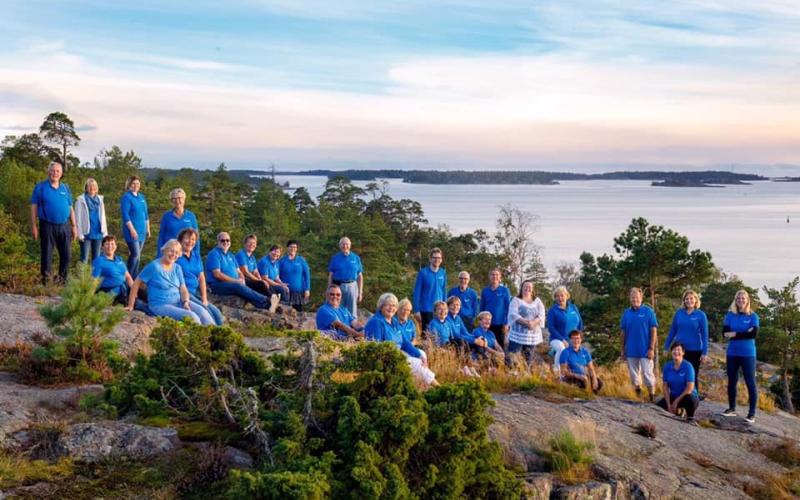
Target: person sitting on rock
(116,279)
(248,265)
(335,321)
(577,367)
(445,332)
(680,393)
(192,266)
(486,345)
(407,325)
(268,269)
(225,278)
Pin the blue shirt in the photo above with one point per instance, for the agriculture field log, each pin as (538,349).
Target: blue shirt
(268,268)
(407,329)
(691,330)
(295,273)
(171,225)
(225,262)
(192,267)
(636,323)
(496,302)
(458,329)
(163,287)
(379,330)
(469,303)
(676,380)
(111,270)
(134,210)
(740,322)
(52,204)
(345,267)
(249,261)
(442,330)
(429,288)
(560,322)
(95,229)
(577,361)
(488,335)
(327,314)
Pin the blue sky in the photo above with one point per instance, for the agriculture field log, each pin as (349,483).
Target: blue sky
(581,85)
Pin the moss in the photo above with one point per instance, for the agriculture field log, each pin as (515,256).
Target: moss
(21,471)
(204,431)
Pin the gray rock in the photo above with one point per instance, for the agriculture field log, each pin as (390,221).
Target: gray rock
(537,486)
(589,491)
(92,442)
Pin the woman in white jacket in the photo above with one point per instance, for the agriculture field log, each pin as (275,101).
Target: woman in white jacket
(526,317)
(90,217)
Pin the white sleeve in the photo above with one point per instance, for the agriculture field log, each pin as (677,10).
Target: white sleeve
(540,312)
(513,311)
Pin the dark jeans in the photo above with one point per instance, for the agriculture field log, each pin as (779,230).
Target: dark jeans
(498,332)
(259,286)
(426,318)
(120,294)
(573,379)
(528,351)
(134,257)
(689,403)
(88,245)
(468,322)
(58,236)
(693,357)
(748,366)
(240,290)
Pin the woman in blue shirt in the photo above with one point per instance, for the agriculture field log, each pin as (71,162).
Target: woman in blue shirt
(176,219)
(135,222)
(193,275)
(690,328)
(740,328)
(167,294)
(562,318)
(114,276)
(680,393)
(294,272)
(406,322)
(90,217)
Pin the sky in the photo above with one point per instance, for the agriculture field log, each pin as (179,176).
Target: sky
(583,85)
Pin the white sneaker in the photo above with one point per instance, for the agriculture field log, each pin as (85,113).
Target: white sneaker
(474,372)
(465,371)
(273,302)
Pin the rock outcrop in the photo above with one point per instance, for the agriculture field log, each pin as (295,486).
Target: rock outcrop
(96,441)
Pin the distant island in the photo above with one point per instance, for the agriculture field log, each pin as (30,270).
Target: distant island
(787,179)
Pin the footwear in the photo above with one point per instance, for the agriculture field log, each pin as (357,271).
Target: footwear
(465,371)
(682,413)
(273,303)
(638,391)
(730,412)
(473,372)
(750,419)
(692,421)
(652,397)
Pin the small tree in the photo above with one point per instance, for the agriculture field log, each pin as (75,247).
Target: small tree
(780,337)
(59,129)
(514,243)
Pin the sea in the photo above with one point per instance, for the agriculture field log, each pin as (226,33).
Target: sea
(752,231)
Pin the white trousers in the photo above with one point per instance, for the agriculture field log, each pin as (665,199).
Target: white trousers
(420,372)
(639,368)
(557,346)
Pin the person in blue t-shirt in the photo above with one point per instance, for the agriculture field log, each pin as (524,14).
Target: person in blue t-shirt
(51,217)
(577,367)
(295,273)
(335,321)
(345,270)
(135,222)
(248,266)
(562,318)
(224,277)
(405,320)
(469,300)
(167,294)
(193,275)
(90,217)
(496,298)
(485,345)
(269,270)
(639,331)
(115,278)
(429,288)
(740,327)
(680,393)
(690,328)
(467,346)
(176,219)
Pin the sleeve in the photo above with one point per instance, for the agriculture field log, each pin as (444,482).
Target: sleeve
(451,292)
(241,258)
(653,319)
(408,348)
(97,271)
(580,319)
(444,284)
(673,329)
(125,208)
(704,333)
(330,263)
(324,318)
(212,261)
(415,298)
(360,266)
(179,275)
(551,327)
(371,330)
(147,273)
(588,357)
(69,194)
(756,322)
(262,267)
(506,303)
(146,209)
(513,312)
(162,228)
(541,313)
(36,194)
(306,276)
(690,375)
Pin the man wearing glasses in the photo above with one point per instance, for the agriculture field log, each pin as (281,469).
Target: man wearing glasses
(469,300)
(225,278)
(429,288)
(335,321)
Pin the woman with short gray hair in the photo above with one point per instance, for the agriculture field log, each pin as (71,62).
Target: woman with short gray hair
(176,219)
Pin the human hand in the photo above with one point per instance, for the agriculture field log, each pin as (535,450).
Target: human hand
(703,359)
(134,235)
(729,335)
(74,233)
(35,232)
(307,294)
(650,353)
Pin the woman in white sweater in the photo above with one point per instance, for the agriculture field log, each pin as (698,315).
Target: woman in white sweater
(90,218)
(526,317)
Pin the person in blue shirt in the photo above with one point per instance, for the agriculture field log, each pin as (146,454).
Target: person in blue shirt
(690,328)
(224,277)
(335,321)
(680,393)
(485,345)
(193,275)
(469,300)
(577,367)
(51,217)
(740,327)
(407,325)
(167,294)
(295,273)
(639,331)
(562,318)
(463,340)
(345,270)
(383,327)
(269,270)
(429,288)
(496,298)
(135,222)
(176,219)
(90,217)
(248,266)
(114,275)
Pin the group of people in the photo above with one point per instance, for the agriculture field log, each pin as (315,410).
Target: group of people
(483,329)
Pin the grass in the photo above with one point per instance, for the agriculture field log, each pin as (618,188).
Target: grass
(775,486)
(21,471)
(785,451)
(570,458)
(716,389)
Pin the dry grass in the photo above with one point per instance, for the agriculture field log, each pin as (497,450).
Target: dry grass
(19,471)
(775,486)
(785,451)
(716,389)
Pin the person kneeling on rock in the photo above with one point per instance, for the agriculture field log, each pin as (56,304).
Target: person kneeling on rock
(680,394)
(577,367)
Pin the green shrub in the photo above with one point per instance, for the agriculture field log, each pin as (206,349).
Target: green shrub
(569,458)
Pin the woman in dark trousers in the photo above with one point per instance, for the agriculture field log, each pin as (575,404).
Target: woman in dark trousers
(690,328)
(680,393)
(740,328)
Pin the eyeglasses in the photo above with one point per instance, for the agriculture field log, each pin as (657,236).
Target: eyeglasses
(334,295)
(224,241)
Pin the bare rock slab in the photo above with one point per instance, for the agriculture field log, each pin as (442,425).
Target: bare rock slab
(92,442)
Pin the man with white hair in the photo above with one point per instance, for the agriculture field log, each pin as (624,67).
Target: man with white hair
(51,216)
(345,271)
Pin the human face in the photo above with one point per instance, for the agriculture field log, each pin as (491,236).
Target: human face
(575,341)
(389,309)
(250,245)
(741,301)
(344,246)
(527,290)
(463,281)
(494,279)
(436,260)
(677,355)
(134,186)
(454,308)
(109,247)
(334,297)
(55,172)
(292,250)
(404,312)
(635,298)
(178,202)
(485,322)
(561,299)
(171,254)
(441,313)
(224,241)
(275,254)
(92,188)
(188,242)
(690,302)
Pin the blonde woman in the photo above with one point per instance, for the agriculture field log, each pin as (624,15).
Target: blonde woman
(690,328)
(135,222)
(90,217)
(740,328)
(562,319)
(176,219)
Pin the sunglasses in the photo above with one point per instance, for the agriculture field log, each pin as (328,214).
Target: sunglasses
(224,241)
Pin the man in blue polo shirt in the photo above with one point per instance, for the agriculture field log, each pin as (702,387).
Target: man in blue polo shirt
(224,277)
(345,270)
(639,332)
(334,320)
(429,288)
(51,217)
(496,298)
(468,298)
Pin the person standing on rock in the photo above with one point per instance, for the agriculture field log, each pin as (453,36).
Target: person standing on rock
(740,328)
(225,278)
(526,317)
(193,274)
(135,222)
(496,299)
(639,332)
(680,392)
(294,271)
(90,217)
(176,219)
(469,300)
(51,217)
(335,321)
(690,328)
(346,271)
(429,288)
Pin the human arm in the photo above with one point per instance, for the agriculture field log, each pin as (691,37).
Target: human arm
(686,391)
(34,221)
(128,279)
(330,278)
(348,329)
(622,338)
(415,297)
(201,286)
(125,209)
(360,287)
(184,296)
(133,293)
(673,330)
(651,351)
(306,279)
(74,223)
(704,337)
(592,375)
